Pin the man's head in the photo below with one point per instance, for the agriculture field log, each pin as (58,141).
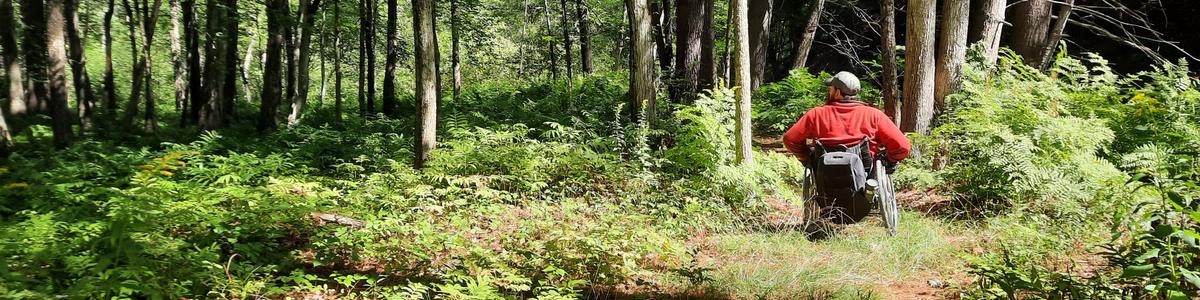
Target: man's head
(842,85)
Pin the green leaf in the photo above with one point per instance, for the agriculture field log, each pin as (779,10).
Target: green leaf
(1137,271)
(1148,255)
(1192,278)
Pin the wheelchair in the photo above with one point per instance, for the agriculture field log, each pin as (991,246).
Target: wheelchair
(843,183)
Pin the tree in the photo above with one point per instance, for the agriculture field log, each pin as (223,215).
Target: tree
(389,69)
(689,30)
(34,16)
(84,97)
(218,65)
(363,108)
(1056,32)
(272,86)
(12,68)
(891,105)
(810,32)
(109,94)
(57,71)
(308,8)
(951,52)
(1031,22)
(987,21)
(708,59)
(337,58)
(454,40)
(195,89)
(372,11)
(642,84)
(585,37)
(178,56)
(6,142)
(760,26)
(248,59)
(426,80)
(742,81)
(660,13)
(566,33)
(550,42)
(919,66)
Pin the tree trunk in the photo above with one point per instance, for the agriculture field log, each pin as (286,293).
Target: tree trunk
(642,86)
(727,57)
(951,53)
(248,60)
(178,59)
(566,32)
(919,66)
(760,35)
(1030,26)
(455,64)
(272,86)
(33,14)
(307,9)
(660,16)
(987,21)
(550,48)
(84,97)
(12,67)
(149,23)
(891,104)
(322,48)
(211,109)
(109,97)
(689,30)
(810,32)
(195,89)
(135,91)
(57,49)
(389,69)
(229,90)
(707,68)
(372,10)
(363,108)
(585,37)
(426,80)
(1049,51)
(337,59)
(6,142)
(742,79)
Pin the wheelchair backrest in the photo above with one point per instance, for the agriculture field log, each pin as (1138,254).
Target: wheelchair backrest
(840,170)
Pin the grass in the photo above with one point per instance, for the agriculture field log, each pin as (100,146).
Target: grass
(860,262)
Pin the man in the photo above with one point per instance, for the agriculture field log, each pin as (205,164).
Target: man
(844,120)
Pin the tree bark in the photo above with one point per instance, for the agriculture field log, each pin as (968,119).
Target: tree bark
(566,33)
(987,22)
(389,69)
(363,108)
(195,90)
(33,13)
(109,94)
(57,49)
(272,86)
(919,66)
(178,58)
(1049,51)
(149,23)
(12,66)
(742,79)
(550,48)
(454,48)
(211,109)
(891,103)
(707,68)
(585,37)
(248,60)
(84,97)
(322,48)
(426,80)
(642,84)
(660,17)
(307,9)
(6,142)
(810,32)
(229,90)
(373,10)
(760,35)
(337,59)
(1030,26)
(132,10)
(689,30)
(951,53)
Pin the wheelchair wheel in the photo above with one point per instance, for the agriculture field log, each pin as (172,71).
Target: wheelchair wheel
(885,194)
(808,191)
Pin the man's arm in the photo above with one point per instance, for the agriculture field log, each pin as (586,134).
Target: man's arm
(796,137)
(891,138)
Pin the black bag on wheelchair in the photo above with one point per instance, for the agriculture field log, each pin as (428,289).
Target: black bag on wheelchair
(839,179)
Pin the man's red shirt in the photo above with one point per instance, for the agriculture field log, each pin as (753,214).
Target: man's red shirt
(847,123)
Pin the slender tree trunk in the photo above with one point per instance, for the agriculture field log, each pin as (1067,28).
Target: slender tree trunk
(57,47)
(1064,14)
(642,86)
(585,37)
(248,60)
(373,10)
(1030,26)
(550,48)
(810,32)
(707,69)
(178,58)
(987,21)
(727,57)
(322,49)
(135,91)
(272,86)
(891,102)
(337,59)
(454,48)
(742,79)
(760,35)
(109,94)
(211,109)
(689,30)
(363,108)
(149,23)
(524,36)
(12,67)
(6,142)
(33,14)
(426,80)
(307,9)
(951,53)
(195,89)
(84,97)
(566,32)
(660,11)
(229,90)
(389,69)
(919,66)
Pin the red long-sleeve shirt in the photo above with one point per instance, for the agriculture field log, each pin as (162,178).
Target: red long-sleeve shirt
(846,123)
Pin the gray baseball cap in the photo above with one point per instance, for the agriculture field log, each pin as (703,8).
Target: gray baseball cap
(845,82)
